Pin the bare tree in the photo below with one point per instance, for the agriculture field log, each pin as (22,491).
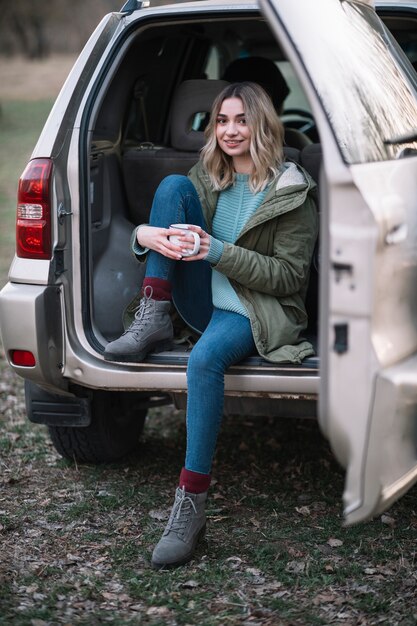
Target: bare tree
(35,28)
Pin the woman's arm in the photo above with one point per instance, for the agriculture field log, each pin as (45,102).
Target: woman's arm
(145,238)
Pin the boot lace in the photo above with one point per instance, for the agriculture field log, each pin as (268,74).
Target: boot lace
(143,313)
(181,513)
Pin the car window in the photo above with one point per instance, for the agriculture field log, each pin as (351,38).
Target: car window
(404,29)
(212,68)
(296,98)
(360,76)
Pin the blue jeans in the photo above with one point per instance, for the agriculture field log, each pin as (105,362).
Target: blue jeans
(227,340)
(176,202)
(226,337)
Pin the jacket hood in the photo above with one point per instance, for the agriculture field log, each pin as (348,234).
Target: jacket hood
(292,175)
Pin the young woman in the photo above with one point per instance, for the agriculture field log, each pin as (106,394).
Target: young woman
(257,225)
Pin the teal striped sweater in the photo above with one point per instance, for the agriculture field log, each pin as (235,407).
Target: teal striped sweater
(234,208)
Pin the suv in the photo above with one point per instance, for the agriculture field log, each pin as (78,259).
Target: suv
(130,113)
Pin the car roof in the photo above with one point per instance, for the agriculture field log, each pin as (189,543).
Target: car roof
(153,4)
(253,4)
(396,3)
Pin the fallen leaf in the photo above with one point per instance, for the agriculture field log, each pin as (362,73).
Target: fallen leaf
(295,552)
(296,567)
(218,518)
(124,597)
(109,596)
(159,514)
(385,571)
(327,598)
(158,610)
(267,588)
(190,584)
(39,596)
(303,510)
(280,594)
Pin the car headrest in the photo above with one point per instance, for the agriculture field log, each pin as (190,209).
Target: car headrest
(192,97)
(262,71)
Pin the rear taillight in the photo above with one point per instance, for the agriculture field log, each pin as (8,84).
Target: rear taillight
(23,358)
(33,220)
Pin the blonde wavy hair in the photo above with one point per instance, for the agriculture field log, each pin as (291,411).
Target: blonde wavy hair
(266,145)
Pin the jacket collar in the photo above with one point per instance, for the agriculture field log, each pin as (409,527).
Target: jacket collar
(291,187)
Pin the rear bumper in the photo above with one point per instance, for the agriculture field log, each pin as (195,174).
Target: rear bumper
(31,319)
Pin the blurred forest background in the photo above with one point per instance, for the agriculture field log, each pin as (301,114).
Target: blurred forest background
(36,29)
(39,43)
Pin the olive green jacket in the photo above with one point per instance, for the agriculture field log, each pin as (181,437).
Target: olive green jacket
(269,263)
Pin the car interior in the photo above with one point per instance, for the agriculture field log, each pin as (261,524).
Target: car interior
(147,122)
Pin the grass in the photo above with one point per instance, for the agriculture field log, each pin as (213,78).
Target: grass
(20,125)
(269,556)
(76,540)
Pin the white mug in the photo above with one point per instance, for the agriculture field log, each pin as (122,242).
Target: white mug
(176,241)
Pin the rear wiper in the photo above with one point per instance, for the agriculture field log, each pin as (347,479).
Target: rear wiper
(400,139)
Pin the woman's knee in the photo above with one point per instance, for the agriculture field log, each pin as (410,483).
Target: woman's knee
(174,184)
(203,360)
(197,361)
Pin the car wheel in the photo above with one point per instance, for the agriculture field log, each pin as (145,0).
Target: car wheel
(116,425)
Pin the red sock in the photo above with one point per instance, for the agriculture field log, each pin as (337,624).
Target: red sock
(194,482)
(161,289)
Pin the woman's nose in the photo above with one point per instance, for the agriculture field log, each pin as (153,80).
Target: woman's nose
(231,129)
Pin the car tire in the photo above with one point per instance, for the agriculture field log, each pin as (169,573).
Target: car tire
(114,431)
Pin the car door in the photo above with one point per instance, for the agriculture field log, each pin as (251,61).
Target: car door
(362,92)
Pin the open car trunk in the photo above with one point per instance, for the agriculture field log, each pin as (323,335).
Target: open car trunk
(139,134)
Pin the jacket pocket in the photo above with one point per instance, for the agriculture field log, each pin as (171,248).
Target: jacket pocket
(295,308)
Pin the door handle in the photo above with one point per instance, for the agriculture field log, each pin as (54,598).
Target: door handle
(341,269)
(341,336)
(396,234)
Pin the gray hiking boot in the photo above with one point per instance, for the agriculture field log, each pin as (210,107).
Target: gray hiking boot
(150,331)
(186,525)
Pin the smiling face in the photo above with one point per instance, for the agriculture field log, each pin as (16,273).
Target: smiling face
(233,134)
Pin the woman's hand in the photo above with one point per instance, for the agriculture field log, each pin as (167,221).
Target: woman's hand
(157,239)
(204,244)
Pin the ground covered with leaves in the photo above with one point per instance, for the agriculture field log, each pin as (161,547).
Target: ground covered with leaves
(76,540)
